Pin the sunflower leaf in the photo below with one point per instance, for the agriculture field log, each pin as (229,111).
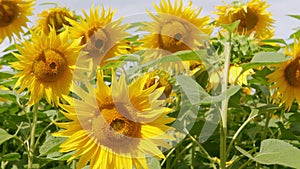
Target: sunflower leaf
(277,40)
(295,16)
(275,152)
(231,27)
(50,145)
(10,157)
(192,89)
(4,136)
(265,58)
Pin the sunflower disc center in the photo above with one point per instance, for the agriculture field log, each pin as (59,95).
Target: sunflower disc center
(98,42)
(174,36)
(114,130)
(118,125)
(248,19)
(292,73)
(9,11)
(49,65)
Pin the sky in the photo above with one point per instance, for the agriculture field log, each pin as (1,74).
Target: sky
(134,10)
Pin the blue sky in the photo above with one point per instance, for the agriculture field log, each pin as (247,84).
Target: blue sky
(134,10)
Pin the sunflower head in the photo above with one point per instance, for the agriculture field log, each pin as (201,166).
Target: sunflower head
(162,79)
(174,28)
(55,18)
(103,37)
(253,16)
(286,78)
(46,64)
(120,122)
(13,16)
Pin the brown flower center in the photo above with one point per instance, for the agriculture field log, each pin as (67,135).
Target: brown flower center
(292,73)
(98,42)
(49,65)
(174,36)
(248,19)
(9,11)
(113,129)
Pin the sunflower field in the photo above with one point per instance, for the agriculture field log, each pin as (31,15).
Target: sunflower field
(190,91)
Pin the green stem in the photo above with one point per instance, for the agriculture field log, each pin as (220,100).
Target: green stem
(193,156)
(245,164)
(253,114)
(264,135)
(179,155)
(32,136)
(167,156)
(223,126)
(266,128)
(41,134)
(212,160)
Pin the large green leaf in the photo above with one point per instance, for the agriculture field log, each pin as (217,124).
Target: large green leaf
(196,94)
(192,89)
(269,57)
(265,58)
(276,152)
(51,145)
(4,136)
(185,55)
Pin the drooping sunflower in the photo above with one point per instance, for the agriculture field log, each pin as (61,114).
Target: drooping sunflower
(116,126)
(163,80)
(53,17)
(46,64)
(286,78)
(174,28)
(103,37)
(13,17)
(253,16)
(235,76)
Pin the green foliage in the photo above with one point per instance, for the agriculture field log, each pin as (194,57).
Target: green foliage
(260,133)
(274,151)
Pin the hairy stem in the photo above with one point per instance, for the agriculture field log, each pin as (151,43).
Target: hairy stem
(223,126)
(32,136)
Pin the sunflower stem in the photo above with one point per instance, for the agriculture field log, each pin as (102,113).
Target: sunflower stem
(224,106)
(32,136)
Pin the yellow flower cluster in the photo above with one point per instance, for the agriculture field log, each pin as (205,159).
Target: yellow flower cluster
(117,121)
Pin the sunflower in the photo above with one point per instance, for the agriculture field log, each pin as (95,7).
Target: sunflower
(46,64)
(13,16)
(103,37)
(163,80)
(53,17)
(253,16)
(174,28)
(235,76)
(287,78)
(116,126)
